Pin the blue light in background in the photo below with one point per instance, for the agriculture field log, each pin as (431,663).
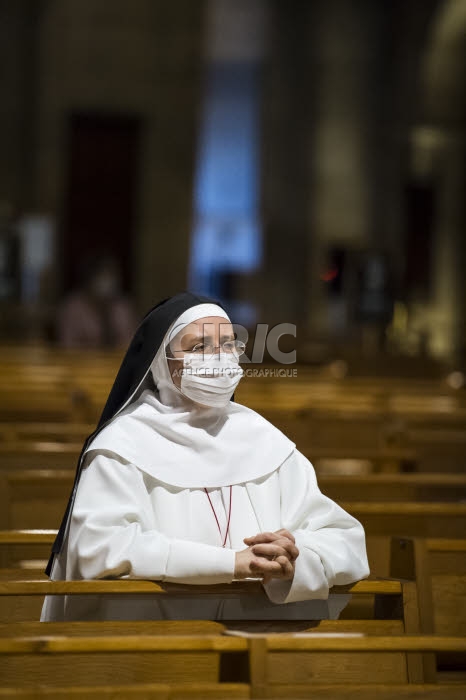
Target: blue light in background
(227,229)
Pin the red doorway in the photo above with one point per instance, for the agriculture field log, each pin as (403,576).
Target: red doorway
(100,197)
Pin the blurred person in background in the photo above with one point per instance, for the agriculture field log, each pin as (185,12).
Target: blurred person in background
(97,314)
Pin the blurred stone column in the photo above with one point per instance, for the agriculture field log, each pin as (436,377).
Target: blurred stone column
(18,58)
(285,168)
(448,329)
(321,93)
(168,163)
(344,50)
(439,146)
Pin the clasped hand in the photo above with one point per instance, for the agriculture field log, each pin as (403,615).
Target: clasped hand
(268,555)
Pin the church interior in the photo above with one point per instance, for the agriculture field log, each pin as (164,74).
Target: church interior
(303,163)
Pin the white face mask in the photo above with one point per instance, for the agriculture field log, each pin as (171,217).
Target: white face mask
(210,381)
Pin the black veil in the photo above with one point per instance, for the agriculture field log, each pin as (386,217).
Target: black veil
(136,363)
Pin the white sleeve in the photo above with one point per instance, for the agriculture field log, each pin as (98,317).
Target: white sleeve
(112,533)
(331,543)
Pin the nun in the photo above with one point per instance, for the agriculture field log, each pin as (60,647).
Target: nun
(181,484)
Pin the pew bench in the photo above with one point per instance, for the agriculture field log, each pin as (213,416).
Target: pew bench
(18,432)
(38,404)
(437,565)
(394,487)
(36,545)
(438,447)
(211,691)
(434,520)
(439,568)
(16,546)
(278,665)
(391,599)
(39,455)
(33,498)
(396,603)
(395,608)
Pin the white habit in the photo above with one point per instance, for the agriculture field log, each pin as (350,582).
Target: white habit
(126,523)
(141,511)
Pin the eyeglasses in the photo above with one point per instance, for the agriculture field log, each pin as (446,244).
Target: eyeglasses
(230,347)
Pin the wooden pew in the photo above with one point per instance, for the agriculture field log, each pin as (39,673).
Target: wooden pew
(272,676)
(352,461)
(447,564)
(439,568)
(200,691)
(29,498)
(405,396)
(361,414)
(314,429)
(446,520)
(76,385)
(394,604)
(21,598)
(20,432)
(44,402)
(39,455)
(185,652)
(280,665)
(25,549)
(37,404)
(32,498)
(234,671)
(416,443)
(394,599)
(394,487)
(312,388)
(438,448)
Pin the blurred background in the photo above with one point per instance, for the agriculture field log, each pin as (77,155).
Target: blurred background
(301,161)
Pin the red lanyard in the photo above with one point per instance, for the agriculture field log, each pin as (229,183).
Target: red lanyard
(215,514)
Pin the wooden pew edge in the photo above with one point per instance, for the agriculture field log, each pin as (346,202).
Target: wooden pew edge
(229,642)
(136,586)
(239,690)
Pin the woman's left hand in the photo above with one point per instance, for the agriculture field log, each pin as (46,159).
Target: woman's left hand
(278,546)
